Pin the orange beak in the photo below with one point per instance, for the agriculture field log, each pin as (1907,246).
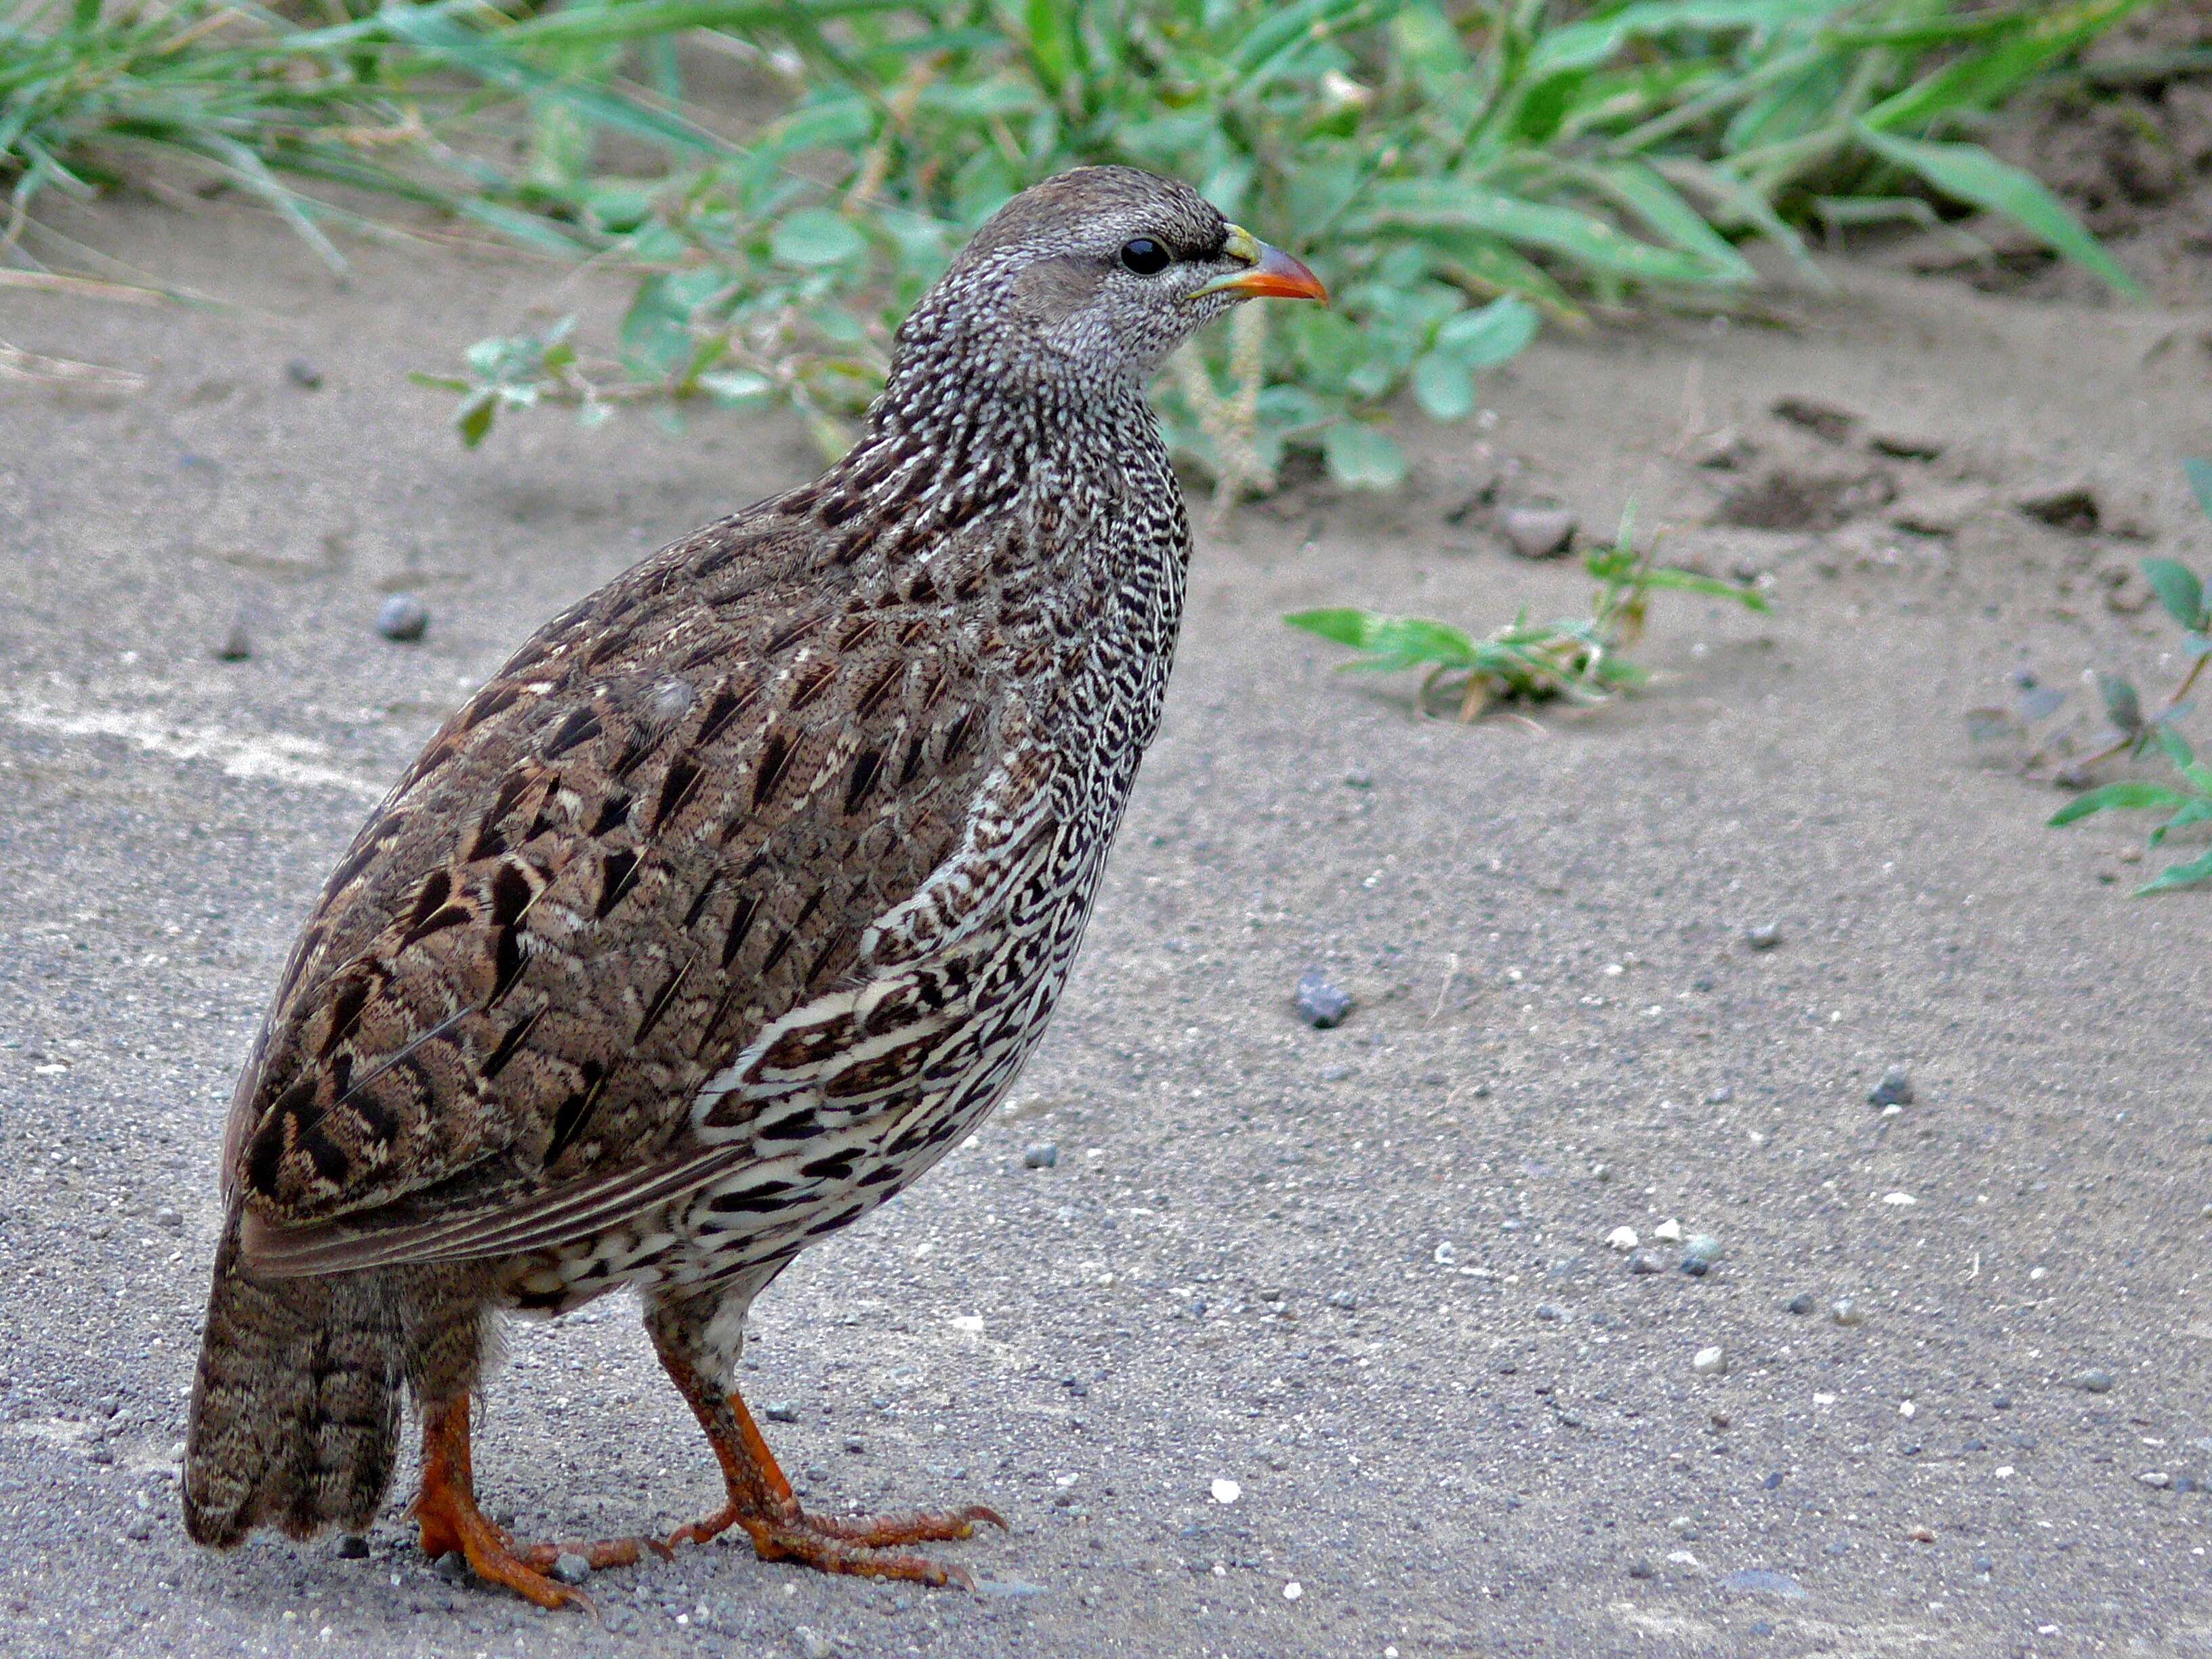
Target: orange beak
(1274,274)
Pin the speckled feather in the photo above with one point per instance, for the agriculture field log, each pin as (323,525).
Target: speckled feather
(732,900)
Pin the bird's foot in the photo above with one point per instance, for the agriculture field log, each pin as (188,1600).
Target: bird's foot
(450,1520)
(865,1545)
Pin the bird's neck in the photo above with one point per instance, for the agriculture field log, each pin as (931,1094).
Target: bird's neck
(942,451)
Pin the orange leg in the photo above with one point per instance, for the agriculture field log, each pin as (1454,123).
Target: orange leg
(761,1504)
(445,1512)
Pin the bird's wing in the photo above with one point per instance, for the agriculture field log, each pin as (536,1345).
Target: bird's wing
(690,808)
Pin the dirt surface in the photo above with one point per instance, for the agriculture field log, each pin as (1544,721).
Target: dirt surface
(2126,141)
(1362,1273)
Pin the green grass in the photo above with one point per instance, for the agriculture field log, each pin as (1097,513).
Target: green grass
(1457,172)
(1580,659)
(2187,800)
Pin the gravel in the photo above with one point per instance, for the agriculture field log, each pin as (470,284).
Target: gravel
(2095,1380)
(1538,532)
(1895,1089)
(1319,1003)
(402,618)
(169,822)
(1763,937)
(1700,1255)
(1040,1155)
(570,1568)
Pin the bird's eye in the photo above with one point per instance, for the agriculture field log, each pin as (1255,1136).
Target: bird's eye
(1144,256)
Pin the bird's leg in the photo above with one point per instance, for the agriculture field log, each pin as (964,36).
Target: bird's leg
(761,1504)
(445,1514)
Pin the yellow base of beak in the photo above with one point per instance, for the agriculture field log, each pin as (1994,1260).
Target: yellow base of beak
(1274,274)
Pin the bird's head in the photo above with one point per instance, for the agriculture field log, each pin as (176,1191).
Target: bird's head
(1096,274)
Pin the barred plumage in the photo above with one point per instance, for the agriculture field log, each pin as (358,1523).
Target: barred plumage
(738,897)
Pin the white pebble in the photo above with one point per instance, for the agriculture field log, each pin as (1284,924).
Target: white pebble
(1622,1238)
(1900,1199)
(1292,1591)
(1709,1362)
(1907,1408)
(1668,1231)
(971,1323)
(1226,1491)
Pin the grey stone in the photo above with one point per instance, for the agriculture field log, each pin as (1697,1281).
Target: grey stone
(570,1568)
(351,1546)
(1321,1004)
(1538,532)
(1802,1304)
(404,619)
(2095,1380)
(1041,1156)
(1895,1089)
(1764,937)
(782,1411)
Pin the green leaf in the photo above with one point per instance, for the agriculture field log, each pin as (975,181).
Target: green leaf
(1484,339)
(2178,875)
(2197,812)
(1050,26)
(474,417)
(2177,590)
(1344,624)
(1362,458)
(815,237)
(2199,474)
(1689,581)
(1445,386)
(1970,173)
(736,386)
(1446,205)
(2118,797)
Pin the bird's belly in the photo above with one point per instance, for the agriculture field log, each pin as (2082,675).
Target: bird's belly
(804,1186)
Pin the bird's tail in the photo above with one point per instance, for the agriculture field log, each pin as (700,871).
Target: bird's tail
(296,1411)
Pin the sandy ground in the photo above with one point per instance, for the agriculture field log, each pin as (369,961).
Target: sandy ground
(1363,1272)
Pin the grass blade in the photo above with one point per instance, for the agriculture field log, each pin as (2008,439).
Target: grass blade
(1968,173)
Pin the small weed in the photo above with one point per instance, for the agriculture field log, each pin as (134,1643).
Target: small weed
(1577,659)
(2189,798)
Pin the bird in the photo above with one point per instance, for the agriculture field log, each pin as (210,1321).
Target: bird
(733,900)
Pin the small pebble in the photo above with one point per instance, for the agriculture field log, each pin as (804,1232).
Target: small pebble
(1699,1254)
(1895,1089)
(1642,1262)
(1538,532)
(1622,1238)
(1668,1231)
(1343,1299)
(453,1567)
(1984,1565)
(570,1568)
(1042,1156)
(303,374)
(2158,1478)
(813,1644)
(1550,1312)
(782,1411)
(1319,1003)
(2094,1381)
(1845,1311)
(351,1546)
(404,619)
(1801,1304)
(236,645)
(1709,1362)
(1764,937)
(168,1215)
(1641,1570)
(855,1445)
